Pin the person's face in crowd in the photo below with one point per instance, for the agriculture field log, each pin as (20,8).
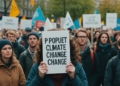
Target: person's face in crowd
(6,52)
(32,41)
(104,39)
(81,38)
(17,34)
(110,33)
(11,37)
(118,35)
(97,34)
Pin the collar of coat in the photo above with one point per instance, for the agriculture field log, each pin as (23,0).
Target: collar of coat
(14,62)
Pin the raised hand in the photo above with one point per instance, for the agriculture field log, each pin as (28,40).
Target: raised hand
(70,69)
(42,69)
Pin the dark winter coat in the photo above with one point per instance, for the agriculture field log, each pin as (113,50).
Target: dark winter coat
(104,55)
(26,62)
(112,74)
(35,80)
(92,70)
(18,49)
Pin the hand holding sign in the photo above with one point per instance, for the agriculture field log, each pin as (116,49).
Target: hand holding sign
(42,69)
(70,69)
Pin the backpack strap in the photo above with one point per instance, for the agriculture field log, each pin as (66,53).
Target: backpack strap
(92,57)
(95,48)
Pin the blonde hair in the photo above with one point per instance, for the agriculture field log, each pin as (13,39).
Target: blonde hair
(10,32)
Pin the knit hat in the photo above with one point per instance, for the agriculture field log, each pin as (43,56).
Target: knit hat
(4,42)
(28,29)
(33,33)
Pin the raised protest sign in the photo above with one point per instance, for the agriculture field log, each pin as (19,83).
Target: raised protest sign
(111,20)
(0,25)
(39,24)
(25,23)
(56,50)
(9,22)
(91,20)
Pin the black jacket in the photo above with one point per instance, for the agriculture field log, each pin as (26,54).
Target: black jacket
(92,71)
(104,56)
(112,73)
(18,49)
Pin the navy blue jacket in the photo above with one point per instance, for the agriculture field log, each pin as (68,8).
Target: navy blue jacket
(35,80)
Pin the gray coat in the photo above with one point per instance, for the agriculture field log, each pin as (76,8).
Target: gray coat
(26,61)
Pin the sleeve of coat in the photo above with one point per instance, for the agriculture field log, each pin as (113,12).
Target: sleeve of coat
(80,78)
(108,74)
(22,79)
(96,69)
(33,77)
(22,61)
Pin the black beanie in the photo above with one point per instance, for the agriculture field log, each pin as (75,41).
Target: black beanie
(4,42)
(33,33)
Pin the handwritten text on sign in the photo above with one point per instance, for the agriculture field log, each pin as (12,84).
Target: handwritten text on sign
(91,20)
(9,22)
(56,50)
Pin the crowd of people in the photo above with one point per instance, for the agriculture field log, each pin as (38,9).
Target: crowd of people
(97,64)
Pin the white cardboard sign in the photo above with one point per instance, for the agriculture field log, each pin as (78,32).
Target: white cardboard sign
(111,20)
(54,25)
(25,23)
(56,50)
(91,20)
(0,25)
(9,22)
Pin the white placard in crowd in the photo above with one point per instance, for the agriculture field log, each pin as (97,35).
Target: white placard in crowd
(25,23)
(111,20)
(0,25)
(54,25)
(91,20)
(56,50)
(62,21)
(104,27)
(48,25)
(9,22)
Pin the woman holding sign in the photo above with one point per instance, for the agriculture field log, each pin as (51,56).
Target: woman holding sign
(74,75)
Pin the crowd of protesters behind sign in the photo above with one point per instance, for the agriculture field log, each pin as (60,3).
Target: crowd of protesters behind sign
(96,65)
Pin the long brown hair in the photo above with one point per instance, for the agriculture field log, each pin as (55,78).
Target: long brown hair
(74,51)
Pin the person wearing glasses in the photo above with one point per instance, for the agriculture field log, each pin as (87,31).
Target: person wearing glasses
(105,52)
(90,62)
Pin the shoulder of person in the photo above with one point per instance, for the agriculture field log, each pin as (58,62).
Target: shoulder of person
(113,60)
(24,53)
